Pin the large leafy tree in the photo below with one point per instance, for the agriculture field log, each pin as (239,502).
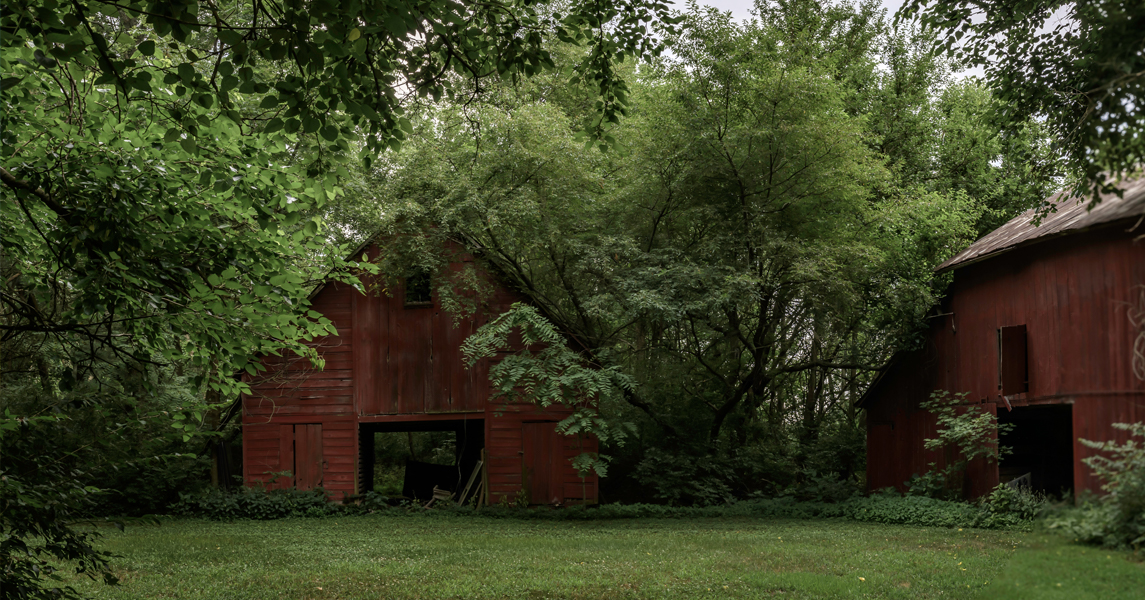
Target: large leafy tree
(163,166)
(1077,64)
(744,261)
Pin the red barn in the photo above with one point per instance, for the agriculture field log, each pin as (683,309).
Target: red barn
(396,365)
(1036,327)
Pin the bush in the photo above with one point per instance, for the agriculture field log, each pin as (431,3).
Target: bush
(1116,520)
(41,496)
(1023,502)
(687,477)
(257,504)
(965,433)
(889,508)
(1003,510)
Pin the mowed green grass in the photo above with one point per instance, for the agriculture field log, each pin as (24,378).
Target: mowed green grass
(413,557)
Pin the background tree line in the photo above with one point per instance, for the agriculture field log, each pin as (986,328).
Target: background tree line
(755,245)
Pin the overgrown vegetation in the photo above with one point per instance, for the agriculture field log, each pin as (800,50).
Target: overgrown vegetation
(1117,519)
(1005,509)
(966,433)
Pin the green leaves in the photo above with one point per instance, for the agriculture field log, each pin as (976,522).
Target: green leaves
(544,371)
(969,432)
(1085,81)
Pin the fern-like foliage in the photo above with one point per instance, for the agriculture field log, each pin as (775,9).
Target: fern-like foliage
(543,370)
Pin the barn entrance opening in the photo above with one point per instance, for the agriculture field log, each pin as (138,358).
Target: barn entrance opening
(1041,444)
(409,459)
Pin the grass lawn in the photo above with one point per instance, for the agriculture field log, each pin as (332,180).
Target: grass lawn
(414,557)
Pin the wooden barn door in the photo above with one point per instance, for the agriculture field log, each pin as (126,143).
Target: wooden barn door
(541,468)
(301,453)
(308,456)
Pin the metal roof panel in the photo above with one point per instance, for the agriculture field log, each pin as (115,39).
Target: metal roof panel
(1072,213)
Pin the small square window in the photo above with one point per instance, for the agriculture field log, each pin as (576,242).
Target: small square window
(418,290)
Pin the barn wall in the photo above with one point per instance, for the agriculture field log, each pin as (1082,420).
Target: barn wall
(390,362)
(293,392)
(516,448)
(408,360)
(1072,294)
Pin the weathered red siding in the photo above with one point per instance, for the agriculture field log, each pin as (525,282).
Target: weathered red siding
(1072,294)
(393,363)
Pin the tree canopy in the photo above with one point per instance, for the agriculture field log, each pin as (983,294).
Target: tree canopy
(164,164)
(751,253)
(1077,64)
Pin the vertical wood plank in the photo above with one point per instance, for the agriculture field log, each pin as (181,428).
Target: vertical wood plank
(308,457)
(315,457)
(365,352)
(365,464)
(286,456)
(303,477)
(410,358)
(442,361)
(542,463)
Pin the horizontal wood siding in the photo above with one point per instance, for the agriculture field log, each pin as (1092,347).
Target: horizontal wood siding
(261,453)
(292,386)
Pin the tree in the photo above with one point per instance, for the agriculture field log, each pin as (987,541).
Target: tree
(1079,64)
(162,166)
(744,259)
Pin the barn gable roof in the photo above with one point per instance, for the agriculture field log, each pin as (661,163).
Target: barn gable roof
(1072,215)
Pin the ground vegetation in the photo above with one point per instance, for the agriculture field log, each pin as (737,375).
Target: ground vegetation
(429,557)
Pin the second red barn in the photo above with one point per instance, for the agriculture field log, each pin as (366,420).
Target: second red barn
(1040,327)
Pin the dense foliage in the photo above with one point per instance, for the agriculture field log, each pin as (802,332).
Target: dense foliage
(1117,519)
(1002,511)
(162,166)
(758,243)
(1077,64)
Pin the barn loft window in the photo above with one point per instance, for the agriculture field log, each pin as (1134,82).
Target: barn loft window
(1013,370)
(418,291)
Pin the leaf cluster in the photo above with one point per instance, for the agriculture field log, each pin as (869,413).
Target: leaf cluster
(966,433)
(1077,64)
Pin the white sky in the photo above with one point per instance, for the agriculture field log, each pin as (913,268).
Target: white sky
(742,8)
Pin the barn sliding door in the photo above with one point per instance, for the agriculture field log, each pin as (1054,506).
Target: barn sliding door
(541,463)
(308,460)
(301,454)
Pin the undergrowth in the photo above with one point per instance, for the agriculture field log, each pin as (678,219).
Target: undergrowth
(998,511)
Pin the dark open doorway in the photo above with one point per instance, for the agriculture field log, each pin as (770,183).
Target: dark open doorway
(1041,444)
(408,459)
